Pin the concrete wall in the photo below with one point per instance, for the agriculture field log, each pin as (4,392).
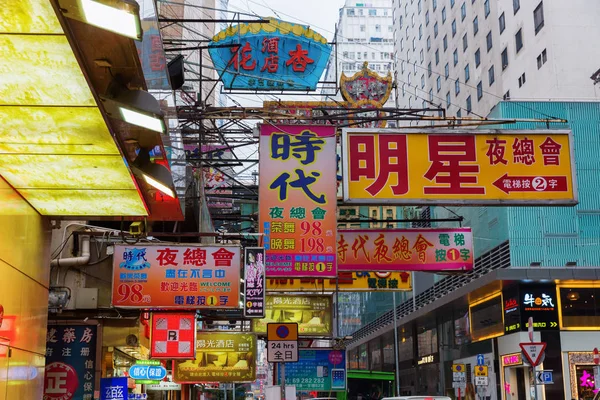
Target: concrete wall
(24,272)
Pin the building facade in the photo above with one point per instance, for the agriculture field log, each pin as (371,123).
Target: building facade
(466,55)
(364,34)
(523,254)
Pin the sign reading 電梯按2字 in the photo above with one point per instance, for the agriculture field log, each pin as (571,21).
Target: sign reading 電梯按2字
(70,367)
(254,282)
(468,167)
(298,207)
(277,55)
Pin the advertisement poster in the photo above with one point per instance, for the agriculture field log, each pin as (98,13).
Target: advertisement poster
(298,203)
(313,314)
(317,370)
(176,276)
(458,167)
(70,366)
(220,357)
(415,249)
(361,281)
(254,281)
(173,336)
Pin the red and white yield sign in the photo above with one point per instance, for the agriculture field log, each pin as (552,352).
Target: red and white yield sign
(533,352)
(173,336)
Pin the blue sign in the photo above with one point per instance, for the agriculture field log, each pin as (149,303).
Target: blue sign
(70,361)
(317,370)
(480,359)
(274,56)
(113,389)
(545,377)
(147,372)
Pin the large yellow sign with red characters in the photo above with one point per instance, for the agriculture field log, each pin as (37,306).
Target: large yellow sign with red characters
(459,166)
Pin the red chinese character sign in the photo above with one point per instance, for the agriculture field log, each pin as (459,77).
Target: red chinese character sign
(297,207)
(418,249)
(459,167)
(173,336)
(176,276)
(272,56)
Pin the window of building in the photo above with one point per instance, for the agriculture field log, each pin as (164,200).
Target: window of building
(372,12)
(377,28)
(486,8)
(538,17)
(479,90)
(459,115)
(351,55)
(488,40)
(358,56)
(414,46)
(443,15)
(456,87)
(350,12)
(420,31)
(439,83)
(463,12)
(430,94)
(445,42)
(504,57)
(519,40)
(385,12)
(467,73)
(437,57)
(429,70)
(413,20)
(360,11)
(477,58)
(362,28)
(423,81)
(465,42)
(435,30)
(469,105)
(541,59)
(491,77)
(434,5)
(502,23)
(402,66)
(516,6)
(448,100)
(401,19)
(475,26)
(453,27)
(390,28)
(422,56)
(401,46)
(419,6)
(427,18)
(428,42)
(455,57)
(522,80)
(506,96)
(446,71)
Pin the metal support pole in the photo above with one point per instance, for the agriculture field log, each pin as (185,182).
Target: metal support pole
(282,365)
(534,382)
(233,393)
(396,347)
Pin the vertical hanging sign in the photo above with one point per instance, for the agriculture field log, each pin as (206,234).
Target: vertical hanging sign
(254,282)
(297,192)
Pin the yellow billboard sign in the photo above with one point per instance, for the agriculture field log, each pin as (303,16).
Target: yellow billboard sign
(459,166)
(313,314)
(347,282)
(220,357)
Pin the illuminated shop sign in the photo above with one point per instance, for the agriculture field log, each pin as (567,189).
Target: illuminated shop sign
(428,359)
(535,301)
(512,359)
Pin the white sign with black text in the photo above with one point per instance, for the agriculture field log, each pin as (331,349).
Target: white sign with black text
(282,351)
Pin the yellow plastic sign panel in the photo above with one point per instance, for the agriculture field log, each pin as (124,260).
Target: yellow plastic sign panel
(282,331)
(361,281)
(481,370)
(459,368)
(459,166)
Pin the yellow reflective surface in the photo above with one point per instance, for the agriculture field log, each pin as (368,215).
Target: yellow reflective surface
(62,130)
(28,16)
(53,137)
(85,202)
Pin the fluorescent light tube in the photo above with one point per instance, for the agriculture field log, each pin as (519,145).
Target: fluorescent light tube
(112,19)
(143,120)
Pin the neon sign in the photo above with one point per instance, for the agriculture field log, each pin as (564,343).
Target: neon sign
(512,359)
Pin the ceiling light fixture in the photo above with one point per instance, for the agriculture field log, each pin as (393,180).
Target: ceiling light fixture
(155,175)
(119,16)
(136,107)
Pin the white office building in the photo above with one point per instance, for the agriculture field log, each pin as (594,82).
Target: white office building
(365,32)
(466,55)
